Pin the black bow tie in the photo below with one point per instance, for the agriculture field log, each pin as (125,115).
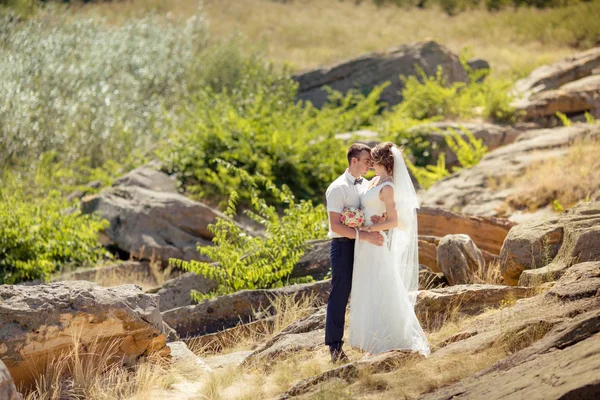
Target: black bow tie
(358,181)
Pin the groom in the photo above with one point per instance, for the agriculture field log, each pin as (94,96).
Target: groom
(344,192)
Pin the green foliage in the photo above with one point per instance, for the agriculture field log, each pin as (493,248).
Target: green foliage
(39,238)
(427,97)
(589,118)
(468,153)
(259,127)
(264,261)
(430,174)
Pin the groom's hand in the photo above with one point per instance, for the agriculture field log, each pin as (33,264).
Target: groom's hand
(377,219)
(375,238)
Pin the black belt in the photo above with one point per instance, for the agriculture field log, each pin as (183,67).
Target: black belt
(342,239)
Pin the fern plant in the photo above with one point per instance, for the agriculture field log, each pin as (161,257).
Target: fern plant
(245,261)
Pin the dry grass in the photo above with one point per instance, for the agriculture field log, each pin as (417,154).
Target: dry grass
(93,371)
(308,33)
(488,273)
(285,310)
(561,182)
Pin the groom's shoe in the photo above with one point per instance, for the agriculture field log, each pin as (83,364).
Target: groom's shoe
(338,356)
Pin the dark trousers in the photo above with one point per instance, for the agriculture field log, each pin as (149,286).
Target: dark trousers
(342,263)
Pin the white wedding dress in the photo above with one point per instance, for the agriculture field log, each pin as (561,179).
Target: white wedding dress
(384,289)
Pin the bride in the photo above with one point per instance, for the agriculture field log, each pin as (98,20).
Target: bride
(385,279)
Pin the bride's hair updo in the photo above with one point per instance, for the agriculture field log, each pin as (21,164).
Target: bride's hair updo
(382,155)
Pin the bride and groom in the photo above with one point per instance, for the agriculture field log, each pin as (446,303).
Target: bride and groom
(378,261)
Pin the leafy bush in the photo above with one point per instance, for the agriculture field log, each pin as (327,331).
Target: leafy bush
(430,174)
(37,239)
(427,97)
(259,127)
(468,153)
(264,261)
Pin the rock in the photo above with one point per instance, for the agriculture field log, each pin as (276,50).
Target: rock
(459,258)
(146,223)
(545,249)
(380,363)
(435,304)
(228,311)
(373,69)
(572,98)
(8,391)
(148,177)
(475,191)
(140,273)
(226,360)
(478,64)
(78,194)
(428,252)
(315,262)
(315,321)
(553,76)
(176,292)
(287,343)
(180,353)
(37,323)
(492,136)
(487,233)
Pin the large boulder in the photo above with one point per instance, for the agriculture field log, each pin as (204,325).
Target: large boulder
(459,259)
(145,223)
(37,323)
(241,307)
(544,249)
(8,391)
(373,69)
(477,190)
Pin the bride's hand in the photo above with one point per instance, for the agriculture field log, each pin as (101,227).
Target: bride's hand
(377,219)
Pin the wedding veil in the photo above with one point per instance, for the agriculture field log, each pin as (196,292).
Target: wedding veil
(403,240)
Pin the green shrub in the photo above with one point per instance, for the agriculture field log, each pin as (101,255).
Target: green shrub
(468,153)
(258,126)
(39,238)
(264,261)
(428,97)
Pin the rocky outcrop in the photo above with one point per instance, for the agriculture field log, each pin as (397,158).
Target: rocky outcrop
(434,305)
(545,249)
(146,223)
(181,354)
(459,258)
(479,190)
(373,69)
(487,233)
(565,330)
(8,391)
(227,311)
(492,136)
(549,77)
(568,86)
(37,323)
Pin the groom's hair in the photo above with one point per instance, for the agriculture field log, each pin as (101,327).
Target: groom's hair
(355,150)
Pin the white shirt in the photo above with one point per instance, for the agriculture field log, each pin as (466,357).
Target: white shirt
(344,193)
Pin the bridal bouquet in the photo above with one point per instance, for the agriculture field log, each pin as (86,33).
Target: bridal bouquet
(352,217)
